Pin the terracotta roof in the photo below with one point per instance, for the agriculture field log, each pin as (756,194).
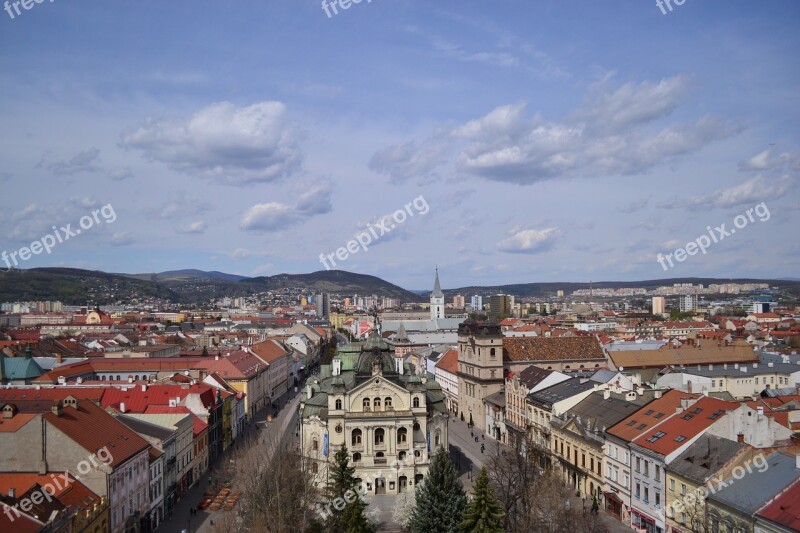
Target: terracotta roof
(449,361)
(93,428)
(10,425)
(648,416)
(30,400)
(69,491)
(671,434)
(708,352)
(552,349)
(785,510)
(137,401)
(269,350)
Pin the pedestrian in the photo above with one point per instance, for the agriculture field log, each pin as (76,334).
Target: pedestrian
(483,447)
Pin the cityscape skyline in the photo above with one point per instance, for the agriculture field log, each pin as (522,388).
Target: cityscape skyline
(562,142)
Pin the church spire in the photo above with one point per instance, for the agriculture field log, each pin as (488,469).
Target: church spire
(437,287)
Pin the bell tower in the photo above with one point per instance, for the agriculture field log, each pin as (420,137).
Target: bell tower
(437,299)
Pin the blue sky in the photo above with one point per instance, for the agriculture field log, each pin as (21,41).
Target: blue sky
(551,140)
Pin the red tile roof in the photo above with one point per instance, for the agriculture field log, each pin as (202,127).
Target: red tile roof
(657,411)
(93,428)
(269,350)
(449,361)
(671,434)
(552,348)
(68,491)
(137,401)
(785,510)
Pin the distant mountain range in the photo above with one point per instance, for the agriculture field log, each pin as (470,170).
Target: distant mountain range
(78,287)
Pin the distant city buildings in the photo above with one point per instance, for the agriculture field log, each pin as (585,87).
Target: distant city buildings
(688,303)
(659,305)
(476,302)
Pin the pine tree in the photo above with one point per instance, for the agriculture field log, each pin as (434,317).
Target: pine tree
(440,499)
(349,517)
(484,513)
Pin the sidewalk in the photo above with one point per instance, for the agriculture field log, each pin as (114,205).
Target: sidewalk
(281,425)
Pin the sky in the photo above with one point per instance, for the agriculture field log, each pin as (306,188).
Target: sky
(504,142)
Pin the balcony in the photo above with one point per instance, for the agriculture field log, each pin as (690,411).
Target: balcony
(380,461)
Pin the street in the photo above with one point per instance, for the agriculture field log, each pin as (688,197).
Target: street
(282,425)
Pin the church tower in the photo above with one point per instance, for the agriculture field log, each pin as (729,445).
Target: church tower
(437,299)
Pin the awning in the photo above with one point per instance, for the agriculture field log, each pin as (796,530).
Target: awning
(613,497)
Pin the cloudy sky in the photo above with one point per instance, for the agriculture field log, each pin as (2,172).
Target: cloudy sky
(557,140)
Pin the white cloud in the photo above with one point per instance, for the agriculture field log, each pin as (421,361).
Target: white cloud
(530,241)
(752,191)
(81,162)
(272,216)
(194,228)
(765,161)
(224,143)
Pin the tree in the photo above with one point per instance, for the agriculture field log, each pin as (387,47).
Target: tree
(346,509)
(512,474)
(440,500)
(484,514)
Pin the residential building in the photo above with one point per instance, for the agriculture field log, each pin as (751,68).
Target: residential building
(659,305)
(446,374)
(517,389)
(564,354)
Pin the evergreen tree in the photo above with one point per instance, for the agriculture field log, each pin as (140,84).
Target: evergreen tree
(349,517)
(440,499)
(484,513)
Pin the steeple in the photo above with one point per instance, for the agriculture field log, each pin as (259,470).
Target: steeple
(437,288)
(437,299)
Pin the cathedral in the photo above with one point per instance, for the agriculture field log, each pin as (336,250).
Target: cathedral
(391,420)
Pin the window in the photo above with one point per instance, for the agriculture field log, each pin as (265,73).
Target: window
(683,517)
(437,438)
(683,489)
(355,439)
(338,405)
(638,490)
(356,457)
(402,435)
(416,426)
(680,438)
(379,435)
(641,426)
(583,460)
(672,485)
(631,423)
(657,472)
(646,495)
(387,403)
(365,404)
(647,469)
(492,353)
(656,436)
(315,444)
(638,464)
(658,415)
(649,412)
(658,498)
(376,404)
(416,402)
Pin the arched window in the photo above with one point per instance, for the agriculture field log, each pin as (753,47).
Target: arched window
(356,457)
(402,435)
(338,404)
(387,403)
(118,378)
(356,437)
(365,403)
(437,438)
(402,456)
(315,444)
(416,426)
(492,353)
(376,404)
(416,402)
(379,434)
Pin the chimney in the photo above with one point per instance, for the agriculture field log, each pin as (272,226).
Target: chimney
(122,407)
(760,410)
(144,388)
(797,461)
(216,357)
(12,492)
(736,366)
(740,438)
(606,394)
(309,391)
(57,408)
(657,394)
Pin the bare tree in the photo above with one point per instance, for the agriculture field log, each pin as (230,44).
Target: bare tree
(551,506)
(276,488)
